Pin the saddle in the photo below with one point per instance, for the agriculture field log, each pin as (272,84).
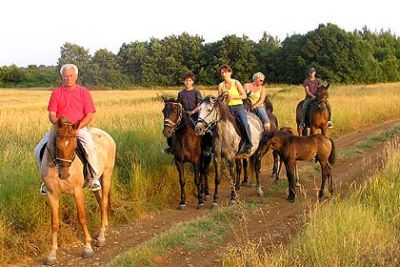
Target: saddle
(88,171)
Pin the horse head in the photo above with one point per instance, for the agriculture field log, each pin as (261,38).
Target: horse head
(208,114)
(173,113)
(322,97)
(65,144)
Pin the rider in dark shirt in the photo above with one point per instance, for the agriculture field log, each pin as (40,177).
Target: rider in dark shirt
(311,85)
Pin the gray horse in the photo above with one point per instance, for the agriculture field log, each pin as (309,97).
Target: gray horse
(215,115)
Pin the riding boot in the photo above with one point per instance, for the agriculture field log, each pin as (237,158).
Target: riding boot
(246,148)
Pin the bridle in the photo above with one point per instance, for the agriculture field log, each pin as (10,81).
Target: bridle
(214,121)
(61,162)
(174,124)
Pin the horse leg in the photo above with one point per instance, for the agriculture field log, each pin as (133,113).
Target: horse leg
(232,180)
(290,165)
(275,167)
(80,207)
(54,205)
(297,176)
(238,172)
(279,171)
(205,167)
(257,169)
(238,165)
(217,167)
(181,172)
(324,170)
(199,186)
(245,174)
(104,206)
(329,173)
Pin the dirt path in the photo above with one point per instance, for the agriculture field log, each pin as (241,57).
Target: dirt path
(278,218)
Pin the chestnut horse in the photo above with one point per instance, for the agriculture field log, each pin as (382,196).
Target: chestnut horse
(186,147)
(317,116)
(62,173)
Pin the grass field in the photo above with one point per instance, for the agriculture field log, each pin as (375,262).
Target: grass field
(360,230)
(144,179)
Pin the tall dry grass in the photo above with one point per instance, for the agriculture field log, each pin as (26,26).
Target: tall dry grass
(361,230)
(144,178)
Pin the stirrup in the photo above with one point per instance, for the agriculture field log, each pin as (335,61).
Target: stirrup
(167,150)
(330,124)
(43,189)
(302,125)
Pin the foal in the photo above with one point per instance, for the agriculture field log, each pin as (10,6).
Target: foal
(292,148)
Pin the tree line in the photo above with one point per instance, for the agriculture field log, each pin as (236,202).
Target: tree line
(361,56)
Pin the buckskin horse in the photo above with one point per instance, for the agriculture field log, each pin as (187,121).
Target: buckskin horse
(292,148)
(63,173)
(317,116)
(186,147)
(214,115)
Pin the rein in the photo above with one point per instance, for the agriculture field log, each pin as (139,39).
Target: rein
(174,124)
(213,122)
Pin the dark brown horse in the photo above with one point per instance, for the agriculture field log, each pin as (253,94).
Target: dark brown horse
(292,148)
(274,126)
(186,147)
(317,116)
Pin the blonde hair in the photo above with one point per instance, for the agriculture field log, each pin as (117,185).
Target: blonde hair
(258,76)
(68,66)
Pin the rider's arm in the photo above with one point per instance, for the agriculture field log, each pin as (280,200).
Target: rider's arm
(308,93)
(260,102)
(52,117)
(242,93)
(86,120)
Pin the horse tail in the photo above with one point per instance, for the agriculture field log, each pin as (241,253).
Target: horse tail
(332,155)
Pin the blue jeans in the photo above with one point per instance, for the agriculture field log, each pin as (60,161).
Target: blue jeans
(241,113)
(262,114)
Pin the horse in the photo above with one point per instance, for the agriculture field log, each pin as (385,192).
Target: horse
(214,115)
(274,126)
(285,131)
(186,147)
(317,116)
(292,148)
(62,173)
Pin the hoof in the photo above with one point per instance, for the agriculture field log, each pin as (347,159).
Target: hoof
(50,261)
(246,184)
(276,181)
(233,202)
(100,243)
(200,206)
(214,205)
(291,199)
(260,193)
(88,253)
(182,206)
(206,196)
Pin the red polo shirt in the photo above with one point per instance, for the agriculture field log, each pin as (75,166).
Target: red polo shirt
(74,105)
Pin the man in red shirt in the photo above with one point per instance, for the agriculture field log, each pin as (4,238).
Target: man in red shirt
(74,102)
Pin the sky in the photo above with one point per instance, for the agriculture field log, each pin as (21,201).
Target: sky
(32,31)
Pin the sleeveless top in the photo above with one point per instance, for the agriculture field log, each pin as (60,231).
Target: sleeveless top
(232,91)
(254,97)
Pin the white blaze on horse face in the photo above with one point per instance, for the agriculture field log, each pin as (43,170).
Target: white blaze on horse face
(66,143)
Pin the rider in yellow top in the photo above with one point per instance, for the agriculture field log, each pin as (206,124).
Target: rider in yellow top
(256,94)
(236,94)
